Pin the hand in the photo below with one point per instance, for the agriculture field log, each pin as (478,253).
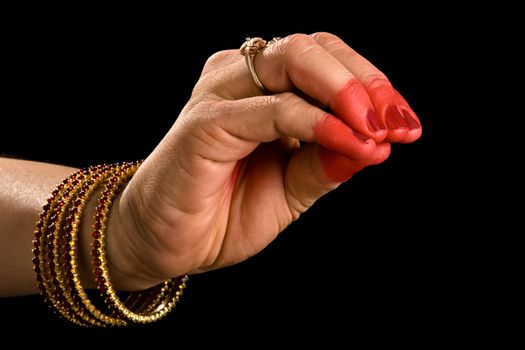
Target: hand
(231,173)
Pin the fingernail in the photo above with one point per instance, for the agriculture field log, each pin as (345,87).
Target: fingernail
(374,124)
(412,122)
(362,137)
(394,119)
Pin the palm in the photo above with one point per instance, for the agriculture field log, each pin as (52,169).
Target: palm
(258,209)
(241,204)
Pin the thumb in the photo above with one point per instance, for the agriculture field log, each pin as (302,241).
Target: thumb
(315,170)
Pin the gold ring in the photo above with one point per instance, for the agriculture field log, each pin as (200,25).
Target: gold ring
(250,48)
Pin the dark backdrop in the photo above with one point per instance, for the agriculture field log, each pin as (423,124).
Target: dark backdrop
(374,258)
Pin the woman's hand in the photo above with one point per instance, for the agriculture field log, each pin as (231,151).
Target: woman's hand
(231,173)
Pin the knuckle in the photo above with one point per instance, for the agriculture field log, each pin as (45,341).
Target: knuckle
(223,109)
(267,104)
(333,43)
(285,102)
(201,113)
(202,89)
(297,43)
(217,58)
(326,38)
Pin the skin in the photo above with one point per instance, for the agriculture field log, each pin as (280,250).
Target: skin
(231,173)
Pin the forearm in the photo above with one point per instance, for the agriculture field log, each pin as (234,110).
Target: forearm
(24,188)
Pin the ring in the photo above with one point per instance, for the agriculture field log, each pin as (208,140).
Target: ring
(250,48)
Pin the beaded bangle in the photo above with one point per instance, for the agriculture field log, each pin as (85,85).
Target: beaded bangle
(44,260)
(56,259)
(63,254)
(72,230)
(149,310)
(57,269)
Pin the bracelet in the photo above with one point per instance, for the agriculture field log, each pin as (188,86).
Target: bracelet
(89,309)
(44,257)
(158,306)
(56,287)
(56,261)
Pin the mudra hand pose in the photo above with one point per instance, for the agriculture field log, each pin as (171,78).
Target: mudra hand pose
(261,138)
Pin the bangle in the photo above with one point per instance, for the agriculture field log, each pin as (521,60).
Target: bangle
(44,262)
(54,240)
(97,316)
(158,304)
(59,249)
(56,262)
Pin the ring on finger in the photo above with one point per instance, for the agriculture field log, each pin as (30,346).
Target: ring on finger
(250,48)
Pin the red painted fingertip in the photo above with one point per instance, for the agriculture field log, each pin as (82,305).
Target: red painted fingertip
(415,131)
(412,122)
(353,105)
(394,119)
(360,136)
(337,167)
(374,124)
(335,135)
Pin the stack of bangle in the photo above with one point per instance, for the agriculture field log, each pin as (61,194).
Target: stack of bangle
(56,257)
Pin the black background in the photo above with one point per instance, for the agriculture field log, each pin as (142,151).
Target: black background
(374,259)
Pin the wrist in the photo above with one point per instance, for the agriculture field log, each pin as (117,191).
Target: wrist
(123,266)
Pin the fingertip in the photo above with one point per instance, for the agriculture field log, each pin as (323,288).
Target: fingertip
(379,137)
(412,135)
(378,130)
(402,123)
(415,130)
(382,153)
(365,151)
(336,167)
(396,124)
(394,119)
(397,135)
(334,134)
(411,120)
(361,150)
(353,105)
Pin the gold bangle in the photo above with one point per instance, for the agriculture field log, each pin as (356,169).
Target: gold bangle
(102,173)
(44,260)
(56,257)
(62,276)
(154,307)
(56,276)
(56,260)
